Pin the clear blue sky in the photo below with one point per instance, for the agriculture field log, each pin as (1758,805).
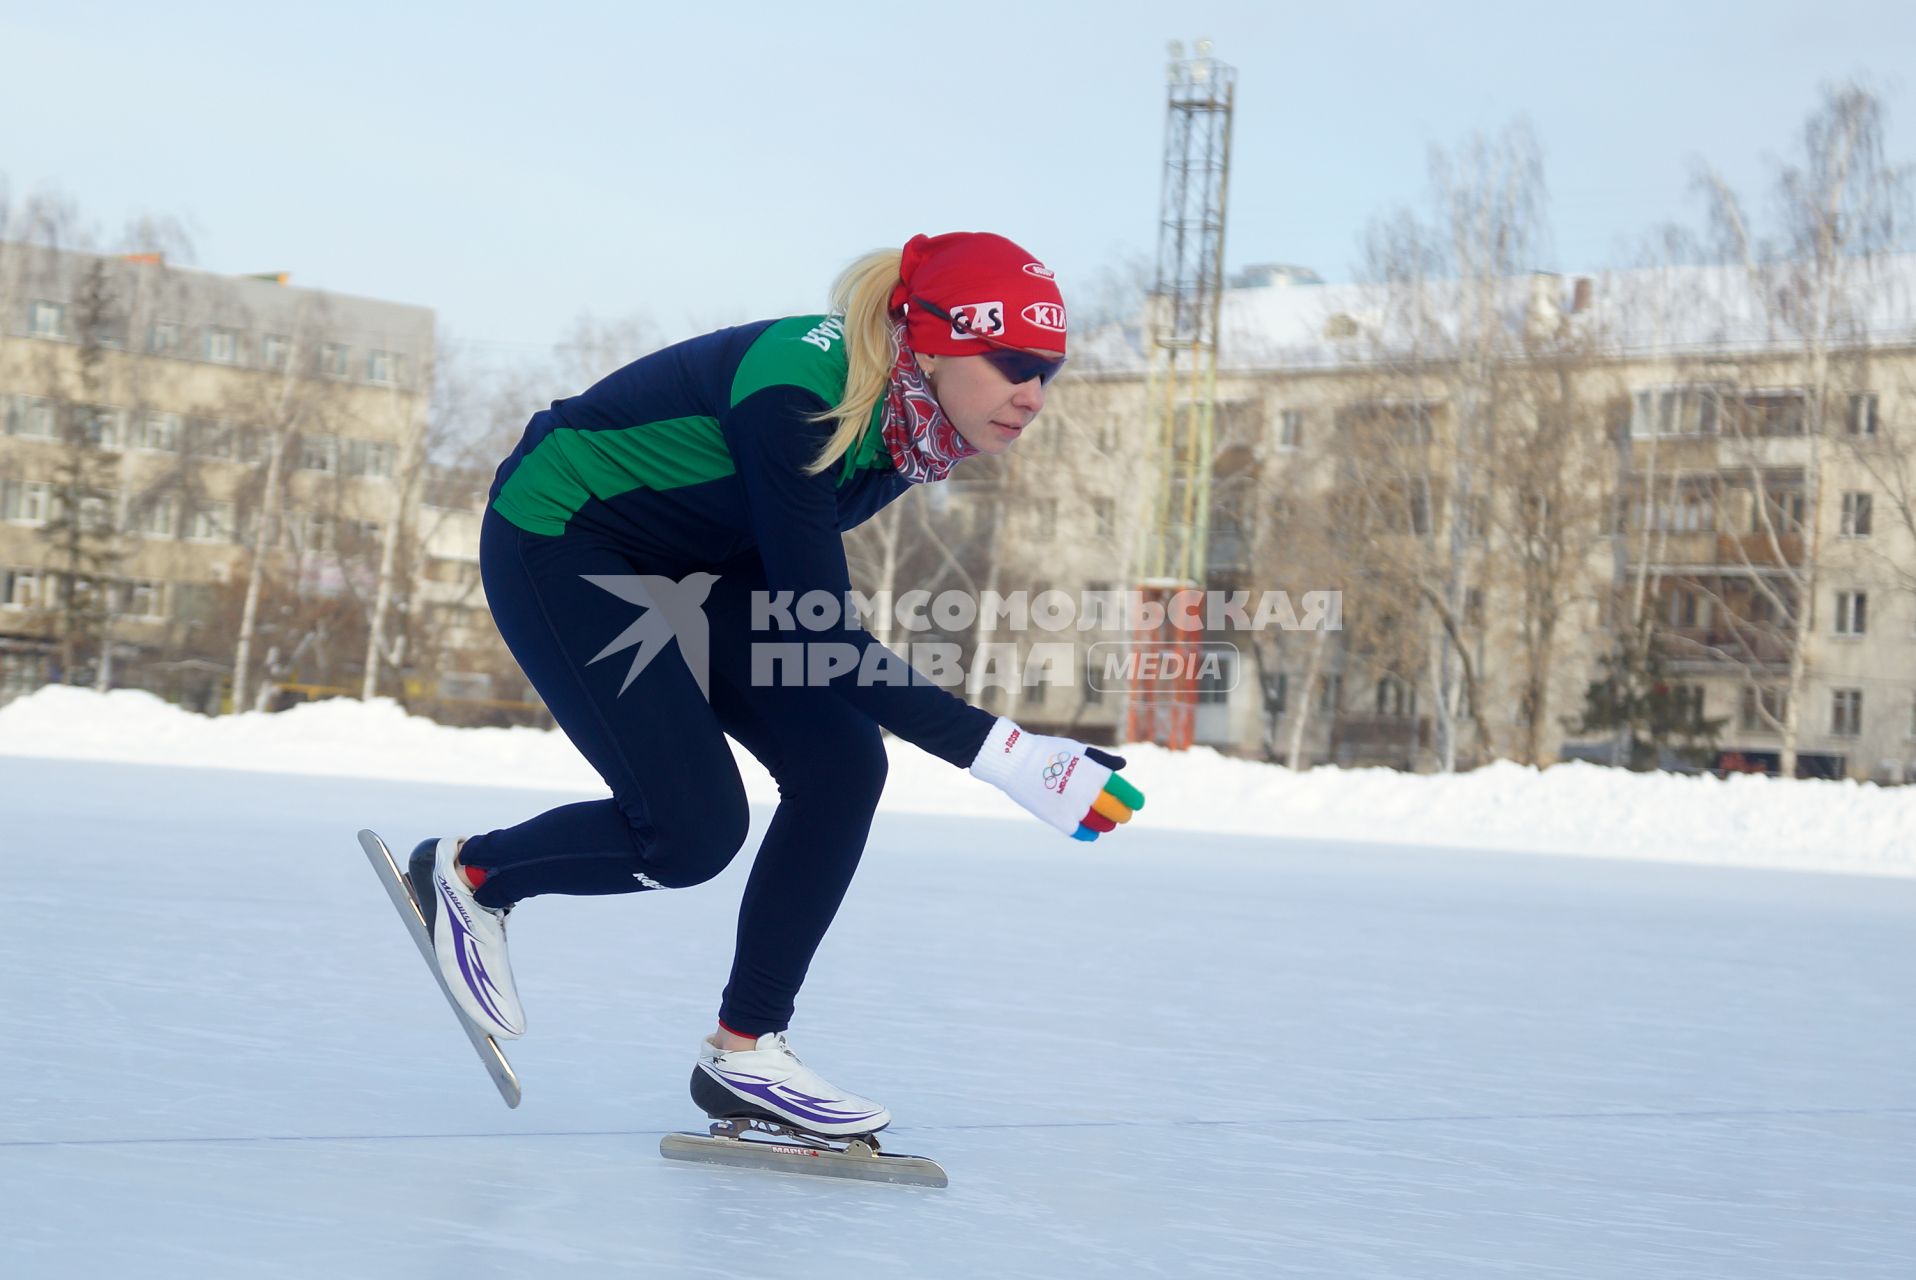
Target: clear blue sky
(513,166)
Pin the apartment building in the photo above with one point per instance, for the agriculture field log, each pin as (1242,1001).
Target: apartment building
(159,397)
(1699,483)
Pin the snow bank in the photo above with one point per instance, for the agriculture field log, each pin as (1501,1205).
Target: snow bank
(1744,820)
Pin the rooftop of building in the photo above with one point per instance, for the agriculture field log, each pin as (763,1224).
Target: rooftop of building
(1287,321)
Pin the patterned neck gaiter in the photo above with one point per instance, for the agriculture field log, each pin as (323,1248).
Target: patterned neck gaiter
(924,445)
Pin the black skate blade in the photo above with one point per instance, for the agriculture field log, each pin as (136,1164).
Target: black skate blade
(856,1159)
(399,889)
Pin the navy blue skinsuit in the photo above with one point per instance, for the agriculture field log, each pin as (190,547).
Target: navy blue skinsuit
(691,460)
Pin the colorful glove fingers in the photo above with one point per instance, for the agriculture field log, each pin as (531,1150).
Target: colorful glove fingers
(1115,803)
(1052,778)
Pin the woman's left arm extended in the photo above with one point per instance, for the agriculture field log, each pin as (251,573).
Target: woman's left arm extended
(1073,787)
(795,520)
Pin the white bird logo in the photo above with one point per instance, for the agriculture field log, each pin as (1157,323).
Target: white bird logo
(673,607)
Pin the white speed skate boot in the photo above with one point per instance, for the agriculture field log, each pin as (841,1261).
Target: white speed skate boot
(768,1082)
(469,939)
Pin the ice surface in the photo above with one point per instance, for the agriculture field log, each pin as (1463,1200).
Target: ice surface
(1164,1054)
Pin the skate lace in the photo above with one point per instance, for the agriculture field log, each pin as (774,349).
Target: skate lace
(779,1045)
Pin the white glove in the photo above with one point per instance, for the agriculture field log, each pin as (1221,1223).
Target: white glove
(1075,788)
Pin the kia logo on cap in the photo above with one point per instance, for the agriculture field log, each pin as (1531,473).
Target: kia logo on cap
(1040,270)
(1045,315)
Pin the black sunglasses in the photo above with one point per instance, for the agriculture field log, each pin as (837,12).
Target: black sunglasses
(1017,365)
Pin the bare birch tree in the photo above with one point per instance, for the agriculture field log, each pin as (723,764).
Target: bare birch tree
(1444,337)
(295,398)
(1551,506)
(1837,210)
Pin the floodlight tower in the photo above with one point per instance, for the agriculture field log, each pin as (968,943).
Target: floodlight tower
(1182,389)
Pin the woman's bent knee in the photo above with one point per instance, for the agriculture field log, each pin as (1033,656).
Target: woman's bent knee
(846,768)
(692,847)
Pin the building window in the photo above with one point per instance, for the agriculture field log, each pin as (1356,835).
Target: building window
(141,598)
(33,417)
(1395,698)
(1783,509)
(254,444)
(1407,422)
(1688,699)
(333,360)
(163,339)
(1846,712)
(1769,411)
(21,588)
(1330,694)
(1216,679)
(1674,411)
(1290,429)
(366,457)
(1773,606)
(362,533)
(1856,514)
(1102,608)
(1852,613)
(20,673)
(1689,609)
(1861,419)
(304,531)
(193,602)
(159,431)
(275,349)
(47,319)
(1093,692)
(222,346)
(318,452)
(97,510)
(456,570)
(103,426)
(1690,508)
(1758,703)
(1277,692)
(1421,519)
(1416,424)
(110,329)
(157,518)
(383,367)
(212,522)
(1047,511)
(213,440)
(1104,512)
(25,501)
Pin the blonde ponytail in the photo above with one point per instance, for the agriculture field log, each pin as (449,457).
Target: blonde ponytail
(862,295)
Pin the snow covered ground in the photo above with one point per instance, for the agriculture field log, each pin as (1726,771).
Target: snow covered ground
(1571,809)
(1174,1053)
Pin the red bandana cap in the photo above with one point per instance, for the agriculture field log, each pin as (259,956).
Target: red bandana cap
(988,285)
